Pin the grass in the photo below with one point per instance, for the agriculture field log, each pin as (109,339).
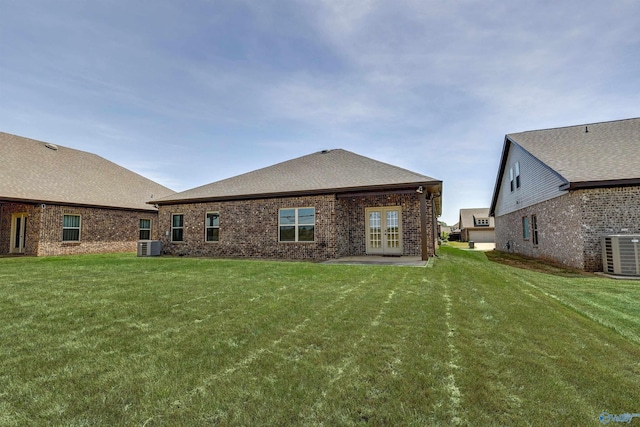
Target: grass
(119,340)
(457,244)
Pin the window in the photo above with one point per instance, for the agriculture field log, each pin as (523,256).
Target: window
(71,228)
(482,222)
(517,174)
(145,229)
(525,227)
(511,178)
(534,229)
(212,227)
(177,228)
(297,225)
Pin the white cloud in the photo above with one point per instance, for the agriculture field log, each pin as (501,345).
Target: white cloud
(431,85)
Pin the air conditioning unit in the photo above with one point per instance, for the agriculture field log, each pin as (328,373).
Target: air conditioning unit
(621,254)
(149,247)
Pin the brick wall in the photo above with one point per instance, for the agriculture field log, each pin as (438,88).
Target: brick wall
(607,211)
(559,237)
(102,230)
(249,228)
(570,226)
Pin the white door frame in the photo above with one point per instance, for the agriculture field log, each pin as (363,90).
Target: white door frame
(18,239)
(384,230)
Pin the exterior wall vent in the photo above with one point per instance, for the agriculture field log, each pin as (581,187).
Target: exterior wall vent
(149,247)
(621,254)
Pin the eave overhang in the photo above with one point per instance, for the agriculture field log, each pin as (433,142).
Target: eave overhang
(503,160)
(72,204)
(570,186)
(433,188)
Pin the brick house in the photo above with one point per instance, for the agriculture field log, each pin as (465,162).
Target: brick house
(558,191)
(321,206)
(476,225)
(55,200)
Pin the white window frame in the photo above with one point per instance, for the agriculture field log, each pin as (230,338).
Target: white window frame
(511,179)
(79,228)
(17,241)
(140,229)
(177,228)
(517,174)
(526,228)
(482,222)
(534,229)
(207,227)
(296,225)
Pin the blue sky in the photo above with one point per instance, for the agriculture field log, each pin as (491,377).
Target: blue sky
(191,92)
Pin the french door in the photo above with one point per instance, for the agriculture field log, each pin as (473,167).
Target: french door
(384,230)
(18,233)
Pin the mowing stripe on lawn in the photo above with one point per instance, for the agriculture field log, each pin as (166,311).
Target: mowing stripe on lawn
(242,365)
(455,396)
(120,340)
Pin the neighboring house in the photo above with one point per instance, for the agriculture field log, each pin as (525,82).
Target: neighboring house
(476,225)
(454,235)
(321,206)
(444,230)
(55,200)
(558,191)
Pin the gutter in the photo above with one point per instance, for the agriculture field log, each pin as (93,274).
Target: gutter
(404,188)
(78,205)
(569,186)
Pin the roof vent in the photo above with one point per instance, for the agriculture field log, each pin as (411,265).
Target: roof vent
(325,151)
(51,146)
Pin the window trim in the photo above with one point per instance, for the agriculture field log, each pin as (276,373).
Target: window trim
(79,228)
(534,229)
(207,227)
(141,229)
(177,228)
(296,225)
(517,174)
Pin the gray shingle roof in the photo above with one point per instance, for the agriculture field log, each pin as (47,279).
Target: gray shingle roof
(40,172)
(609,151)
(327,171)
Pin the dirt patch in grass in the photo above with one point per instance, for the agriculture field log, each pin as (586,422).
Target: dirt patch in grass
(535,264)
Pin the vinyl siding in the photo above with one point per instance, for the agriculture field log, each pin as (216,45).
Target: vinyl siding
(538,182)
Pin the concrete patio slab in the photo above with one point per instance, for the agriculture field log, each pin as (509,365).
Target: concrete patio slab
(409,261)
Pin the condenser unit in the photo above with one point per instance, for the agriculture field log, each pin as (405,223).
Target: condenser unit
(149,247)
(621,254)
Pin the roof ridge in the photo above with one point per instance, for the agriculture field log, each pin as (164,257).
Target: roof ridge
(320,171)
(575,126)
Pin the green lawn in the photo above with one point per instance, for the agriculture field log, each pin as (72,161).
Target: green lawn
(118,340)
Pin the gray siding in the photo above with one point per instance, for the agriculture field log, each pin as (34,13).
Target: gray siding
(538,183)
